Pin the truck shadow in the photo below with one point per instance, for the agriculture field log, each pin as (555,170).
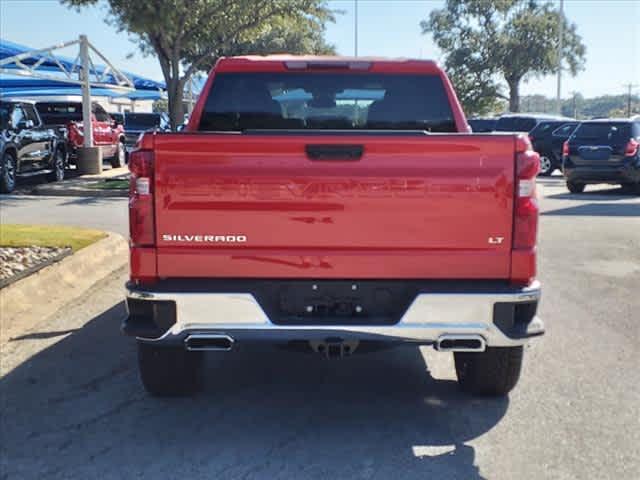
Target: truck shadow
(598,210)
(553,180)
(76,409)
(608,195)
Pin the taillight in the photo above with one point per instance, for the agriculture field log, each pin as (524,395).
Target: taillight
(631,148)
(526,208)
(525,216)
(141,211)
(565,149)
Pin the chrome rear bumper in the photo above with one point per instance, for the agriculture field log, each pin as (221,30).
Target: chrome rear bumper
(429,317)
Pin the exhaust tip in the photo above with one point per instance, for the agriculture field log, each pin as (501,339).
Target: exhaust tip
(206,341)
(460,343)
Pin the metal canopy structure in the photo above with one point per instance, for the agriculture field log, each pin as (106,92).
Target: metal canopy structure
(80,71)
(52,68)
(34,89)
(28,64)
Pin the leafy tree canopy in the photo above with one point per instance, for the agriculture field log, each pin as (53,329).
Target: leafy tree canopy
(513,40)
(189,35)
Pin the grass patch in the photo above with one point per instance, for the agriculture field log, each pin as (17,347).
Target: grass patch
(109,185)
(48,236)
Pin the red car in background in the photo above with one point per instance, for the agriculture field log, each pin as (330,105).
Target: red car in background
(67,118)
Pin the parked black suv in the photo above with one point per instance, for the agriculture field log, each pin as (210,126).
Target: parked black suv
(603,151)
(482,125)
(547,138)
(26,146)
(525,122)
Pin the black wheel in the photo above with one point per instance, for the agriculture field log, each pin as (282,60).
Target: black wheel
(120,157)
(575,187)
(8,171)
(169,371)
(547,165)
(59,164)
(493,372)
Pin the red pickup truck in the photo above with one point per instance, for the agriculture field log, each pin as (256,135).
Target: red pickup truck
(337,205)
(67,118)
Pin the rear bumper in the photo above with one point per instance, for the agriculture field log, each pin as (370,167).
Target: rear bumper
(628,172)
(504,317)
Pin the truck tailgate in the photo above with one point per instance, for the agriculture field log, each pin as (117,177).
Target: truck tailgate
(257,205)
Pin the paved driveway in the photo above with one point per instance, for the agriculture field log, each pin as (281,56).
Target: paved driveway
(72,406)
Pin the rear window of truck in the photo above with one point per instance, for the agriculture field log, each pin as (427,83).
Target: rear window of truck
(59,113)
(142,120)
(282,101)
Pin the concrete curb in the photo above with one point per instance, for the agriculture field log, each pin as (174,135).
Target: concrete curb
(46,291)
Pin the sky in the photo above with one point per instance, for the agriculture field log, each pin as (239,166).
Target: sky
(609,28)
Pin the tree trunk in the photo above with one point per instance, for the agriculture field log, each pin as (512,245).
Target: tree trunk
(514,95)
(176,109)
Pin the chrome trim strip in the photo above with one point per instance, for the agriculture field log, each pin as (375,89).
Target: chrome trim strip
(208,336)
(443,338)
(430,316)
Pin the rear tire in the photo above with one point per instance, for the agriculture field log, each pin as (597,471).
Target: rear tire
(169,371)
(8,172)
(575,187)
(59,164)
(493,372)
(119,159)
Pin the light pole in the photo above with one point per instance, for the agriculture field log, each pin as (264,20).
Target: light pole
(630,87)
(560,40)
(87,131)
(355,29)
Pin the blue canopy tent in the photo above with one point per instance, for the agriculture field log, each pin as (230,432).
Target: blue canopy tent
(50,65)
(28,72)
(32,88)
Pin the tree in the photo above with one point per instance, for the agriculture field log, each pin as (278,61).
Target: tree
(511,39)
(475,89)
(161,106)
(188,36)
(576,105)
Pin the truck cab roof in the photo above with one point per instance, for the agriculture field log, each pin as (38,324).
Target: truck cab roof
(322,62)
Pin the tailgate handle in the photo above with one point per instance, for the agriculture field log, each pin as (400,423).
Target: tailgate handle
(334,152)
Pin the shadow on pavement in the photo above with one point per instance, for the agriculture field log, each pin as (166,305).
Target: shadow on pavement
(93,200)
(77,410)
(555,180)
(596,195)
(41,335)
(26,184)
(599,210)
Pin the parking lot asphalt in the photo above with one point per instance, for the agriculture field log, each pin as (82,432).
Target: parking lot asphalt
(72,406)
(108,214)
